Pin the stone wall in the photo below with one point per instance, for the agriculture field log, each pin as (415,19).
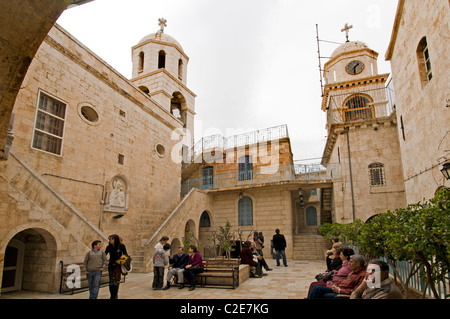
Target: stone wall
(422,106)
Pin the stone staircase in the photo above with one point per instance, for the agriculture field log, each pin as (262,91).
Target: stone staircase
(310,246)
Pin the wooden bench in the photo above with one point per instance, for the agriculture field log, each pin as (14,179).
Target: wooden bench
(68,278)
(219,273)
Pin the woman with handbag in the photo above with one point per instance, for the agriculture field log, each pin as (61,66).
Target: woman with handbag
(194,266)
(115,249)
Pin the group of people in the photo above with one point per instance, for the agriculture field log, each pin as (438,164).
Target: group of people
(348,276)
(182,265)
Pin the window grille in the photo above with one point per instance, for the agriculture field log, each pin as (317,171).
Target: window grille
(377,176)
(245,211)
(245,168)
(358,108)
(49,125)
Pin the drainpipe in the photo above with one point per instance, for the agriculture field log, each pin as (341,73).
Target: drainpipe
(351,176)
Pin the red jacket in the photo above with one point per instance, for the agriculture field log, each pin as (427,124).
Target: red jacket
(353,280)
(247,257)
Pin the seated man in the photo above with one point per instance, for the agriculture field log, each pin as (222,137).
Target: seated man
(377,284)
(179,262)
(346,286)
(247,258)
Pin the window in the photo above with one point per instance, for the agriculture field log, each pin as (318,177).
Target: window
(161,59)
(358,108)
(245,168)
(180,69)
(141,62)
(424,61)
(205,221)
(245,211)
(207,177)
(311,216)
(376,172)
(49,125)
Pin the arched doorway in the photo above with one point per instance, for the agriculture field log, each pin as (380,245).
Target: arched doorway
(30,262)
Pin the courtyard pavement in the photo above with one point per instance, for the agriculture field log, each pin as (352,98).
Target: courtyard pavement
(290,282)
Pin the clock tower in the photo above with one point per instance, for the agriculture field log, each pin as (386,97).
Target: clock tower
(362,133)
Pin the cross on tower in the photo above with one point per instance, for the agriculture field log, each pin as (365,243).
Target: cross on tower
(346,29)
(162,23)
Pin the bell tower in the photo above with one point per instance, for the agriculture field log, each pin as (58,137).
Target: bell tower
(160,70)
(362,133)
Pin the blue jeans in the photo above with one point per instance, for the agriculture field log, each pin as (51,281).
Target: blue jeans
(321,292)
(94,277)
(277,257)
(189,274)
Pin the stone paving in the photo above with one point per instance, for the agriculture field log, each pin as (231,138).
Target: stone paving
(290,282)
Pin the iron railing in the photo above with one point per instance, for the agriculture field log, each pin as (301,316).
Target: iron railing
(362,104)
(265,174)
(218,142)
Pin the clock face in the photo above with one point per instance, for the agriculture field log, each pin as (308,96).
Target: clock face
(354,67)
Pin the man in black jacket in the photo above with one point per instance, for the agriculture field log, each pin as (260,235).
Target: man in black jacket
(279,244)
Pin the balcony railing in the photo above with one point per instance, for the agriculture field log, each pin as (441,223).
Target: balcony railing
(360,106)
(222,143)
(264,175)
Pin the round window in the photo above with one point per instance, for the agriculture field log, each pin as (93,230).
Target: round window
(160,150)
(89,113)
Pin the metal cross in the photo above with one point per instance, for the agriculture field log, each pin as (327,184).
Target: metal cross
(162,23)
(346,28)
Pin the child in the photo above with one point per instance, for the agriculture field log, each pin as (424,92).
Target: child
(160,261)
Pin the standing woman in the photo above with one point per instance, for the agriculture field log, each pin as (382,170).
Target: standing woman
(115,250)
(194,266)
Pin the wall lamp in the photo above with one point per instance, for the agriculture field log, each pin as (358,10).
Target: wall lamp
(446,170)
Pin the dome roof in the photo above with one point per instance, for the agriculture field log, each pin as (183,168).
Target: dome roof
(348,47)
(163,37)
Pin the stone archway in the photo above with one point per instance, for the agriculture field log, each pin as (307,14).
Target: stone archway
(30,262)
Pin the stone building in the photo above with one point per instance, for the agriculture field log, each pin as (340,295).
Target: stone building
(92,156)
(418,52)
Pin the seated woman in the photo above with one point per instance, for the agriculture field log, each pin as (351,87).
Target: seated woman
(338,275)
(247,259)
(194,266)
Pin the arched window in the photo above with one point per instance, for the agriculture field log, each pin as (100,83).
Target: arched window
(161,59)
(424,62)
(376,172)
(205,221)
(245,211)
(358,107)
(311,216)
(141,62)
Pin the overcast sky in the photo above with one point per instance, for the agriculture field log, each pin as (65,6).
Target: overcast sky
(253,63)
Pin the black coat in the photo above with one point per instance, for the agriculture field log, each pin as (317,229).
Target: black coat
(279,242)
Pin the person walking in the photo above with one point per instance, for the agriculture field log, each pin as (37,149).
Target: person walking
(94,263)
(279,244)
(115,249)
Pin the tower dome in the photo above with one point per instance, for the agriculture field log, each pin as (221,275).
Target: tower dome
(349,47)
(161,37)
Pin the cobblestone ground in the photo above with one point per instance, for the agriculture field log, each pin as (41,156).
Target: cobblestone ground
(290,282)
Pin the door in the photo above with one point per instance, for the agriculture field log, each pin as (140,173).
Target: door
(13,266)
(207,177)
